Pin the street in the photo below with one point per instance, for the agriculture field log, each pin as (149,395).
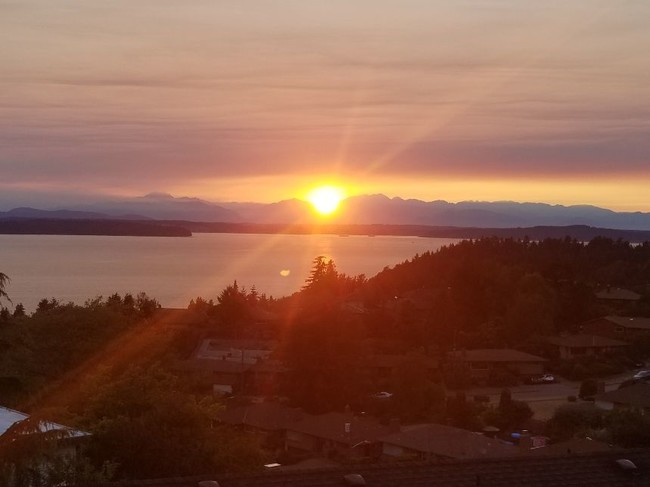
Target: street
(543,398)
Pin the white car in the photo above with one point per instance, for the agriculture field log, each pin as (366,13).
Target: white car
(642,374)
(542,379)
(382,395)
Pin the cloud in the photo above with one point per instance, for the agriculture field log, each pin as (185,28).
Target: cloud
(97,98)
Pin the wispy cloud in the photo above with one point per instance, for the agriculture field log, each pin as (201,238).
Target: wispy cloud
(171,91)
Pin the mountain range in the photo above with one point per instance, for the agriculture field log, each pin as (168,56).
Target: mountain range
(356,210)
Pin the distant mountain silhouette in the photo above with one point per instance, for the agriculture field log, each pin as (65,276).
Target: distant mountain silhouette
(501,214)
(23,213)
(357,210)
(163,206)
(283,212)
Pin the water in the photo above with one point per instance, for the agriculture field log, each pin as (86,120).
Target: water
(175,270)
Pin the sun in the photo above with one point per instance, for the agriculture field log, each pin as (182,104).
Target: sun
(325,199)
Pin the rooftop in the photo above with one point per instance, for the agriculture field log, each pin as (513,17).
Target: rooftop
(636,395)
(619,294)
(578,445)
(332,426)
(575,470)
(9,417)
(630,322)
(585,341)
(495,355)
(241,351)
(268,416)
(449,442)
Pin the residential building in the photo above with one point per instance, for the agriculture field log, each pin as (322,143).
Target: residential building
(338,434)
(436,442)
(635,397)
(605,469)
(380,368)
(483,363)
(62,441)
(242,366)
(571,346)
(618,295)
(618,327)
(269,417)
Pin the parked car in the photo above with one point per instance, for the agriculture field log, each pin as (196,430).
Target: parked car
(382,395)
(642,374)
(542,379)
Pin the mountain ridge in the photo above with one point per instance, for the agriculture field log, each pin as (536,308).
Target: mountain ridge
(371,209)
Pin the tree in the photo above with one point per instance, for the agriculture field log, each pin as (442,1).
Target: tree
(4,280)
(588,388)
(509,414)
(323,276)
(146,305)
(232,308)
(416,396)
(145,421)
(322,354)
(570,420)
(19,310)
(629,429)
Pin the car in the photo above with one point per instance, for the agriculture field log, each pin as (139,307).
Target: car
(382,395)
(642,374)
(542,379)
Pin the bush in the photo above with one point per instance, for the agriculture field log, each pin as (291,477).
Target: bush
(570,419)
(629,429)
(588,388)
(481,398)
(579,372)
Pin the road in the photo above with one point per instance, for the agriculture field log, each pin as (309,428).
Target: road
(544,398)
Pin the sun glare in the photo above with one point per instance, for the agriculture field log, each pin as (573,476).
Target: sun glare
(325,199)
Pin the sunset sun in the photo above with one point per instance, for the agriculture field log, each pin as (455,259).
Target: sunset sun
(325,199)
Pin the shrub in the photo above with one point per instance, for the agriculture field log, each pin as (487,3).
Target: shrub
(588,388)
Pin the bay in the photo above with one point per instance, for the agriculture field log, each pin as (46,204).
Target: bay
(176,270)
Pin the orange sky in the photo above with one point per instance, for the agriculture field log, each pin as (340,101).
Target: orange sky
(258,101)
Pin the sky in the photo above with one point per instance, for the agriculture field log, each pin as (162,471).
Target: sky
(261,100)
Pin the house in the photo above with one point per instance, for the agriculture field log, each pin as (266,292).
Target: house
(570,447)
(380,368)
(15,426)
(10,418)
(618,327)
(482,363)
(629,468)
(618,295)
(266,421)
(571,346)
(236,365)
(268,417)
(436,442)
(338,434)
(635,397)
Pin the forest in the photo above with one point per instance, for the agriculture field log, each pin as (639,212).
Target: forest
(110,367)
